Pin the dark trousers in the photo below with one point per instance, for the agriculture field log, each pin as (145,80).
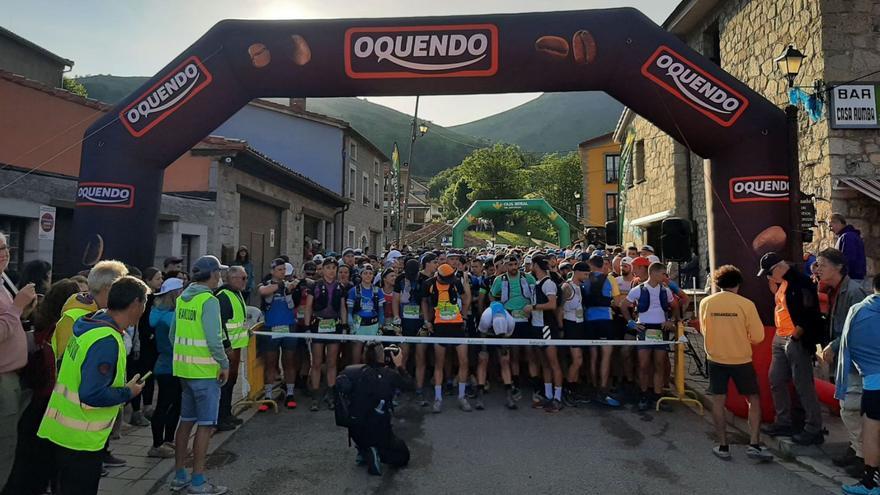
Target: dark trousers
(33,468)
(226,390)
(167,411)
(79,472)
(392,450)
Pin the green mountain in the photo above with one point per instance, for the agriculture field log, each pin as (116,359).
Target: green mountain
(111,89)
(551,122)
(437,150)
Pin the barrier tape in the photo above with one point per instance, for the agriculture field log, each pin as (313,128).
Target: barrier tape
(498,341)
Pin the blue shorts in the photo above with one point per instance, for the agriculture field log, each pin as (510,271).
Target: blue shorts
(200,401)
(266,343)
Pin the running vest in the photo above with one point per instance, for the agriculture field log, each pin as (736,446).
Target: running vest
(781,316)
(444,297)
(358,296)
(278,312)
(523,286)
(409,305)
(321,300)
(593,297)
(235,329)
(644,303)
(192,358)
(549,315)
(74,315)
(67,421)
(573,309)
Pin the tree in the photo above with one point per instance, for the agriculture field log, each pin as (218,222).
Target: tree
(495,173)
(440,182)
(556,179)
(74,87)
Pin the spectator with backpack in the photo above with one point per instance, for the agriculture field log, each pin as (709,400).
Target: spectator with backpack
(364,398)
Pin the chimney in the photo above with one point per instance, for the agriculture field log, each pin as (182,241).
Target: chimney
(298,104)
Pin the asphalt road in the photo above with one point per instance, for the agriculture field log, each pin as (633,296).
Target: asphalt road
(584,451)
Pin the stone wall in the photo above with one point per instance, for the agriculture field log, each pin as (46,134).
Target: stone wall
(225,230)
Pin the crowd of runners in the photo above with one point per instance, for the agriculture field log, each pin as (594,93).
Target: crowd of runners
(581,293)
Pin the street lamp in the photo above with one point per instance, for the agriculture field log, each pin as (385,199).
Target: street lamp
(423,129)
(789,63)
(577,196)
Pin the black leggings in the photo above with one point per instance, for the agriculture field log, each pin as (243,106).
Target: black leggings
(167,411)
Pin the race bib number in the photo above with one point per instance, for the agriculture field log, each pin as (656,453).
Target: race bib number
(367,306)
(326,326)
(518,314)
(579,313)
(448,312)
(280,329)
(411,311)
(300,313)
(654,335)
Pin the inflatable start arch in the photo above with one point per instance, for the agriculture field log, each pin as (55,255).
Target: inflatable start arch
(619,51)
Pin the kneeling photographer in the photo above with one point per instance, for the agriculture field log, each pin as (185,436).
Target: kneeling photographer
(364,395)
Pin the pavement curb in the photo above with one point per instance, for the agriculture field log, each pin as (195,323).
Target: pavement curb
(166,466)
(790,455)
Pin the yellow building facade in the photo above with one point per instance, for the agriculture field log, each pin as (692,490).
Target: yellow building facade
(600,165)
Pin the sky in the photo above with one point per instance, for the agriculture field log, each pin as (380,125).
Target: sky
(137,38)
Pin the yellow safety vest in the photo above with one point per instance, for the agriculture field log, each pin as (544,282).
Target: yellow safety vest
(192,358)
(67,421)
(74,315)
(235,329)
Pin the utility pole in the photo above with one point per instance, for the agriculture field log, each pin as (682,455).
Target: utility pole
(404,205)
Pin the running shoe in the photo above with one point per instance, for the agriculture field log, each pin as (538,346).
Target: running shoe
(207,489)
(552,406)
(224,425)
(860,489)
(721,454)
(538,397)
(374,464)
(478,403)
(471,392)
(263,408)
(178,485)
(607,400)
(289,402)
(235,419)
(104,472)
(328,399)
(437,407)
(644,404)
(315,405)
(359,458)
(162,452)
(762,454)
(510,404)
(420,398)
(138,419)
(464,405)
(517,394)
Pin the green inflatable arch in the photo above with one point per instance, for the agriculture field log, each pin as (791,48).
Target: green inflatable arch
(486,205)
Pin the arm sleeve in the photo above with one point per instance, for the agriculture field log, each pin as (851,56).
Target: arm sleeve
(213,332)
(98,371)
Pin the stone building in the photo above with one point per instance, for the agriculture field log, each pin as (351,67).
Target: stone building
(840,167)
(27,59)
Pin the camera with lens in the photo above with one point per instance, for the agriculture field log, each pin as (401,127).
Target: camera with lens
(390,352)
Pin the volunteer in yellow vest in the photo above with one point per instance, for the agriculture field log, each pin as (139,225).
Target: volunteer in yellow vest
(798,328)
(91,388)
(201,364)
(233,311)
(100,278)
(444,303)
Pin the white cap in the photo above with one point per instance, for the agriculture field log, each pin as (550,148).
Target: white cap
(647,247)
(318,258)
(653,259)
(626,260)
(170,284)
(288,269)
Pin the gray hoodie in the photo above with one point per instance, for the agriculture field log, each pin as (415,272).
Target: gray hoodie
(210,322)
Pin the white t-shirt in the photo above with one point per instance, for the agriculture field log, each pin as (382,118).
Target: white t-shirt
(549,289)
(624,285)
(654,314)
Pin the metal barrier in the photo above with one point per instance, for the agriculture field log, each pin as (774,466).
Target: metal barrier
(681,394)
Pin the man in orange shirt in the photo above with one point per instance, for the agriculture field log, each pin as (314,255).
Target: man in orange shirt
(731,325)
(798,330)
